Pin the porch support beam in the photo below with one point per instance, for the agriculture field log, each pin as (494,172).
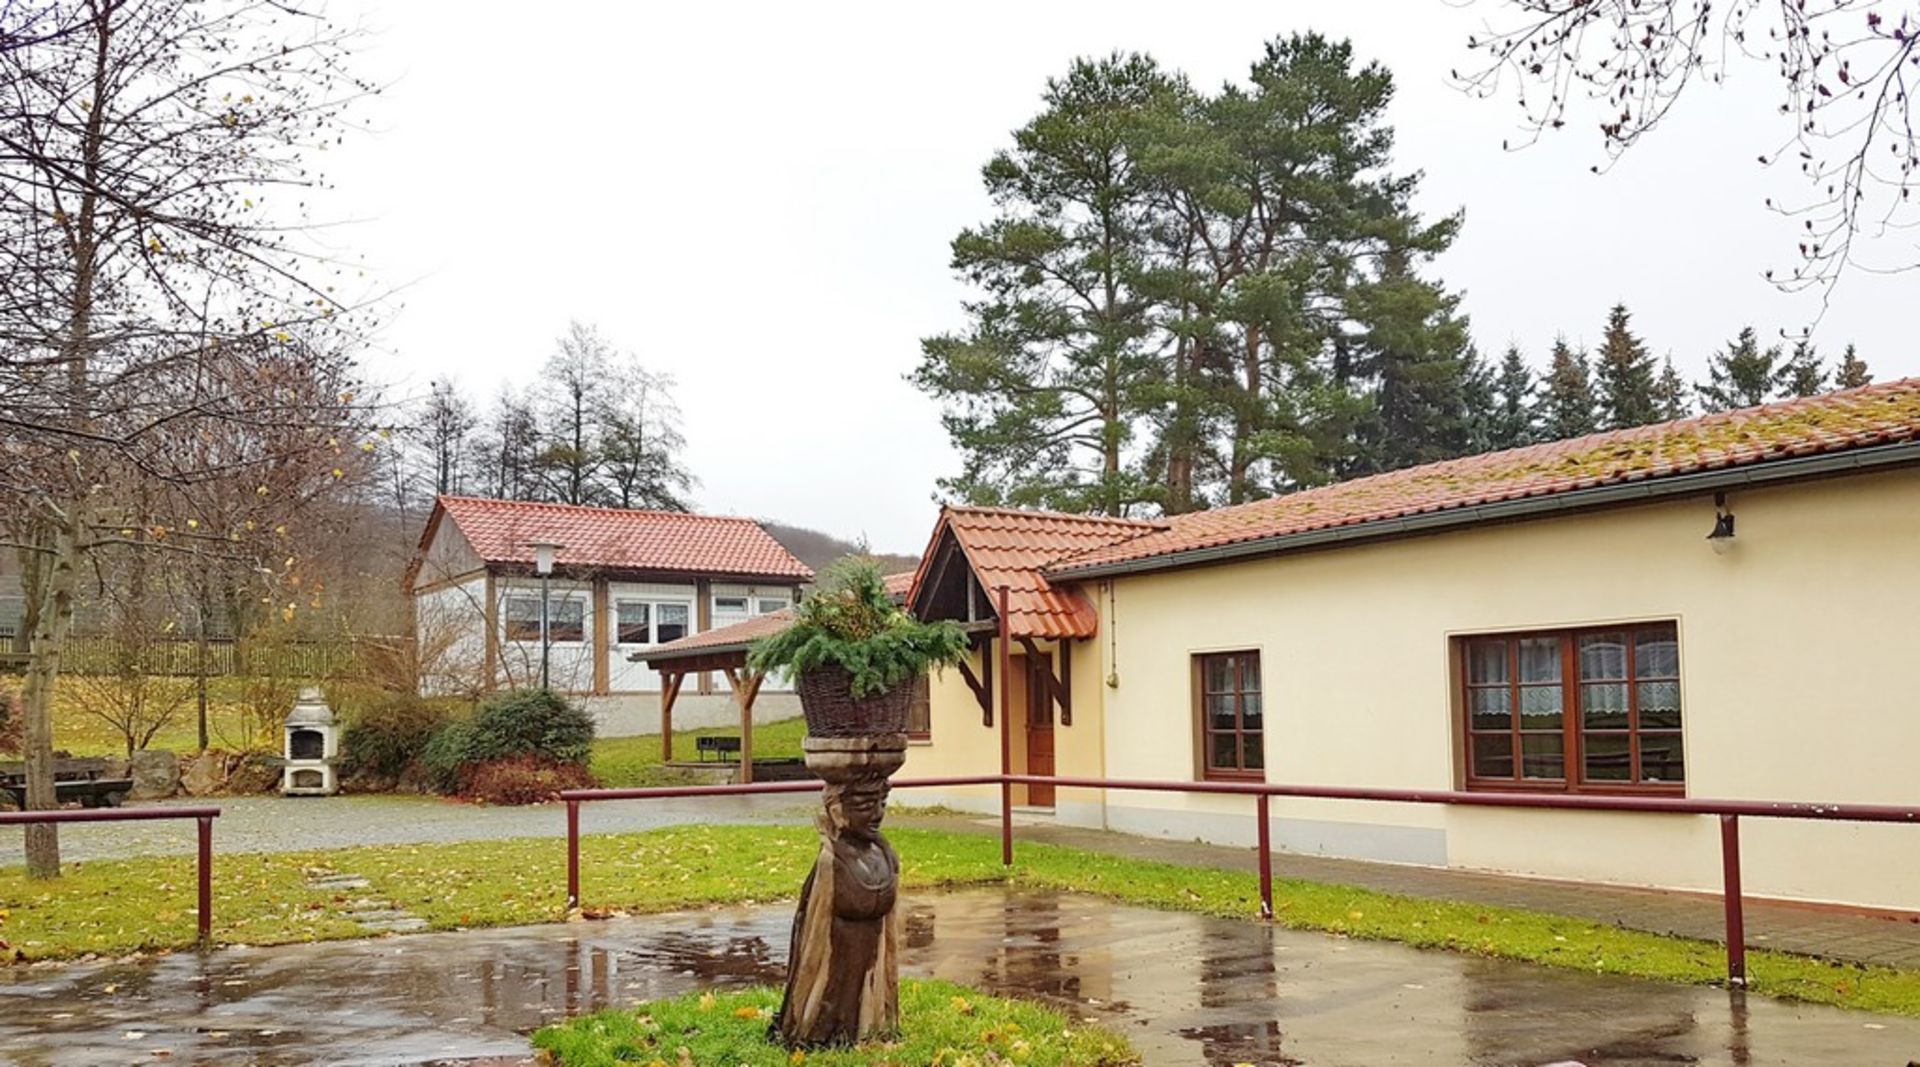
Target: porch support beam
(746,689)
(669,692)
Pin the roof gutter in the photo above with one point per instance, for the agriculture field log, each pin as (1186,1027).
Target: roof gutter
(1849,462)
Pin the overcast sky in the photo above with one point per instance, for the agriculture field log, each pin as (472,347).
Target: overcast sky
(758,201)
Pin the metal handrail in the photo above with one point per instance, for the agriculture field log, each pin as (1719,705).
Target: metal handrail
(203,816)
(1729,812)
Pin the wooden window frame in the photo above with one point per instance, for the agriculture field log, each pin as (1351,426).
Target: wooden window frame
(1203,731)
(1573,744)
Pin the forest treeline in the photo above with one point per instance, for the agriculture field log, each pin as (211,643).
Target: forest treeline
(1185,299)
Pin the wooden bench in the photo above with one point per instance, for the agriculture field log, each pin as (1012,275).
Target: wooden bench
(75,781)
(719,746)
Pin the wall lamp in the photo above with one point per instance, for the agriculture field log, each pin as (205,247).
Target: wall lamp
(1722,536)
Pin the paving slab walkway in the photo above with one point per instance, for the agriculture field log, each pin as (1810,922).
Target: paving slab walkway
(1807,929)
(1187,989)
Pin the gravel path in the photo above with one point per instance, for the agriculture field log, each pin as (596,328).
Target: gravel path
(293,824)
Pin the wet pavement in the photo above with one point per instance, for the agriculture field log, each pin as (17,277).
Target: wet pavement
(296,824)
(1186,989)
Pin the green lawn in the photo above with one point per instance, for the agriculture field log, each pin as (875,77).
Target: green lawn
(942,1024)
(631,762)
(122,906)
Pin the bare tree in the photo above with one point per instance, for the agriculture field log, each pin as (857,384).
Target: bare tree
(1847,70)
(570,397)
(641,441)
(445,425)
(156,293)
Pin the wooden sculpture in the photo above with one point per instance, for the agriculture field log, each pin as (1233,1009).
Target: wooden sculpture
(843,976)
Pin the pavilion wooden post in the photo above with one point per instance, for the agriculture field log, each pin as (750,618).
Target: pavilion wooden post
(746,688)
(669,692)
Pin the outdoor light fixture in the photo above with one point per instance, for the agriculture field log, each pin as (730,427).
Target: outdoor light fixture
(543,553)
(1722,536)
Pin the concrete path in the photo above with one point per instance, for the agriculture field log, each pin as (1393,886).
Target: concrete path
(294,824)
(1888,939)
(1186,989)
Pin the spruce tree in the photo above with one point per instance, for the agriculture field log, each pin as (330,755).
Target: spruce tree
(1566,404)
(1852,372)
(1623,375)
(1803,375)
(1511,424)
(1480,399)
(1742,375)
(1671,397)
(1413,347)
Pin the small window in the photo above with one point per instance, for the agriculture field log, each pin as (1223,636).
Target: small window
(730,604)
(634,622)
(670,623)
(566,621)
(920,711)
(767,606)
(1576,710)
(1232,723)
(523,618)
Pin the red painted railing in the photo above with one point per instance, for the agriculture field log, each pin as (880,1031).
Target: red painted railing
(1729,813)
(203,816)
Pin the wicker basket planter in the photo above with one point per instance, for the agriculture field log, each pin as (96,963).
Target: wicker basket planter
(826,698)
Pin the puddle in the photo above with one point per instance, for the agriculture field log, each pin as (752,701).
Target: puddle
(1186,989)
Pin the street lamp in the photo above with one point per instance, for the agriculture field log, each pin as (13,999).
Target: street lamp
(543,553)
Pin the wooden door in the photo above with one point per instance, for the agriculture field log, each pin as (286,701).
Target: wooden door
(1039,729)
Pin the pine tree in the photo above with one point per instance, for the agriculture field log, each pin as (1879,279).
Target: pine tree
(1671,397)
(1623,375)
(1510,422)
(1852,372)
(1742,375)
(1565,407)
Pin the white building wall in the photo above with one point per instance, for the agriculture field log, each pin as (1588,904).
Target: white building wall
(450,626)
(1793,655)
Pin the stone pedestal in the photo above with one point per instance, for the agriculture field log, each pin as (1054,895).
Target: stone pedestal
(843,975)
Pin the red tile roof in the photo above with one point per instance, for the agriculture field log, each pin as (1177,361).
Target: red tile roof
(1009,547)
(1881,414)
(734,638)
(741,634)
(501,531)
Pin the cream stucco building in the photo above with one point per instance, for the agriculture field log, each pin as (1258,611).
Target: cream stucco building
(1554,619)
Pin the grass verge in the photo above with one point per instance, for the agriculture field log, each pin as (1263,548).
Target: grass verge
(122,906)
(633,762)
(944,1025)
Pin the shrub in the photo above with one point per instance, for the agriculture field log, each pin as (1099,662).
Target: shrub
(850,622)
(531,722)
(525,722)
(385,735)
(522,780)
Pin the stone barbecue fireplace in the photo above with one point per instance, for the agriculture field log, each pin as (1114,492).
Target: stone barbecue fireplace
(312,742)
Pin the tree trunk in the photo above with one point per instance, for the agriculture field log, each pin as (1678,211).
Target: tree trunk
(43,671)
(1245,424)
